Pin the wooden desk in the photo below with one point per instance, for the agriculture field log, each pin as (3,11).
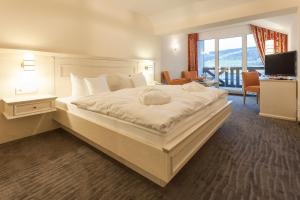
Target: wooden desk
(278,99)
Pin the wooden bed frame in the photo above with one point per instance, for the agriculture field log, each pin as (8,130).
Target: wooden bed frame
(159,164)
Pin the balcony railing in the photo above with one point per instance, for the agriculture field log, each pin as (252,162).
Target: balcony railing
(229,76)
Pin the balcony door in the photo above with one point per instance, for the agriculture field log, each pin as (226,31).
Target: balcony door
(253,59)
(207,58)
(225,59)
(230,62)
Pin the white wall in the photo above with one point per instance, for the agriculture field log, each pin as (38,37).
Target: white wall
(10,68)
(293,36)
(88,27)
(82,27)
(174,61)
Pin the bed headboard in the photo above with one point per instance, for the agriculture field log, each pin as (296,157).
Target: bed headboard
(93,67)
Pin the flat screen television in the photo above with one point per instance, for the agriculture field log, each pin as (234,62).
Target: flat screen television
(282,64)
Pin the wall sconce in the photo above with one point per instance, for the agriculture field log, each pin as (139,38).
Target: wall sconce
(175,47)
(27,81)
(148,67)
(28,63)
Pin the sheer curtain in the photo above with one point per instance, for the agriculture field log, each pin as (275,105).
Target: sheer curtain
(261,35)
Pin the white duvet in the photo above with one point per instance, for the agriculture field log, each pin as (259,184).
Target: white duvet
(125,105)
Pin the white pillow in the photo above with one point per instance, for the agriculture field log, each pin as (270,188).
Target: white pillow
(97,85)
(118,81)
(78,85)
(138,80)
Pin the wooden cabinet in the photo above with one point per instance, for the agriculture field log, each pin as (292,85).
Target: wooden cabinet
(278,99)
(18,107)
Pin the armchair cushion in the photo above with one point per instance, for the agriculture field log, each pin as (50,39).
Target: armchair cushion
(254,88)
(190,75)
(167,79)
(251,82)
(178,81)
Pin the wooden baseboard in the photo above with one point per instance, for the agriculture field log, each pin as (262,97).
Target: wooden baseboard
(278,117)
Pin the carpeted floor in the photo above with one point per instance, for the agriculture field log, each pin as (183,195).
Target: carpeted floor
(250,157)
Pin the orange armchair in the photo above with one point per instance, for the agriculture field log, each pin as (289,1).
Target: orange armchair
(190,75)
(251,84)
(167,79)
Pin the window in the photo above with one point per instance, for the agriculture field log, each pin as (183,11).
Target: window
(253,58)
(269,44)
(206,57)
(230,61)
(231,52)
(207,53)
(229,56)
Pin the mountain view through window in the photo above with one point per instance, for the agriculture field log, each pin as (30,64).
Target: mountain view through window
(230,53)
(253,58)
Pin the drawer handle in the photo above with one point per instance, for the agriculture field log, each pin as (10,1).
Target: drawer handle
(34,107)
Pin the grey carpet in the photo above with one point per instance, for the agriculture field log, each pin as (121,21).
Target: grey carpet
(250,157)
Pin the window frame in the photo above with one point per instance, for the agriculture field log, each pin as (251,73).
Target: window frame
(232,34)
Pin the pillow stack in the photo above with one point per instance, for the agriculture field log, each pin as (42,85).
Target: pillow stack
(96,85)
(88,86)
(79,87)
(118,82)
(105,83)
(138,80)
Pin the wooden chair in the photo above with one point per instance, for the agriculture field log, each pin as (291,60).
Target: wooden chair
(167,79)
(251,84)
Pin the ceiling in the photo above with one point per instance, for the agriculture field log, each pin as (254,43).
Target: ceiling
(173,14)
(152,7)
(280,23)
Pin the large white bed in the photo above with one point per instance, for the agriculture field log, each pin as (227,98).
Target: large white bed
(138,132)
(154,153)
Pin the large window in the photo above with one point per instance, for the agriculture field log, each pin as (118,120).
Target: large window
(206,58)
(253,58)
(230,62)
(231,52)
(207,53)
(229,56)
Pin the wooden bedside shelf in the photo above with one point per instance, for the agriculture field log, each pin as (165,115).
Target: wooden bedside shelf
(18,107)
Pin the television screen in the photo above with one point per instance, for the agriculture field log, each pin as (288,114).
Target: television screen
(283,64)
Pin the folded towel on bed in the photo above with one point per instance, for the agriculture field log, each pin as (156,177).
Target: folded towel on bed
(154,96)
(193,87)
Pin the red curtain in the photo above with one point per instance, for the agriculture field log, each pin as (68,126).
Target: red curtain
(261,35)
(193,51)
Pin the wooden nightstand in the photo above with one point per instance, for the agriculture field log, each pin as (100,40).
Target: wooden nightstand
(18,107)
